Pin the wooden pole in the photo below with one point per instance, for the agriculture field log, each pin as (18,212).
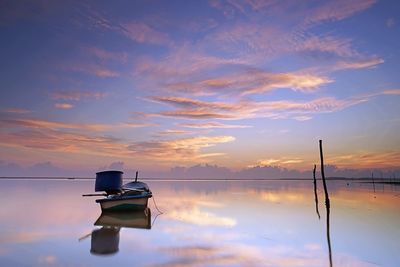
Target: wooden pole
(137,173)
(315,193)
(327,204)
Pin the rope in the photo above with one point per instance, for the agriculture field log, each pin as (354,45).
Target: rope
(154,201)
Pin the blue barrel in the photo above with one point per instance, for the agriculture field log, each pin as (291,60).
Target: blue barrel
(109,181)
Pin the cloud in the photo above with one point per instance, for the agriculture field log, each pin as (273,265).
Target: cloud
(212,125)
(75,95)
(47,124)
(58,136)
(252,81)
(16,110)
(327,44)
(300,110)
(392,92)
(90,68)
(174,132)
(336,10)
(63,105)
(172,68)
(66,142)
(367,159)
(278,162)
(106,73)
(185,149)
(359,64)
(143,33)
(103,54)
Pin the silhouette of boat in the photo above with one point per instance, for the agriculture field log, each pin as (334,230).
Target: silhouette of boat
(131,196)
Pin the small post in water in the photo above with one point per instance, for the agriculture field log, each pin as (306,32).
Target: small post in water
(137,173)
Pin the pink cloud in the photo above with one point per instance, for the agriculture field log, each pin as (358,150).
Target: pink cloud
(359,64)
(253,82)
(392,92)
(106,73)
(143,33)
(107,55)
(212,125)
(299,110)
(75,95)
(337,10)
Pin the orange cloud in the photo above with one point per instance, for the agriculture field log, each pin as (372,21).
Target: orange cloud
(278,162)
(63,106)
(392,92)
(52,136)
(366,159)
(186,149)
(46,124)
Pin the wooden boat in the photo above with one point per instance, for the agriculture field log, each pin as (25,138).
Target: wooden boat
(131,196)
(127,200)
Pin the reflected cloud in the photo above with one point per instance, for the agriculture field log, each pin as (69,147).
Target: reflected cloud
(23,237)
(48,259)
(197,217)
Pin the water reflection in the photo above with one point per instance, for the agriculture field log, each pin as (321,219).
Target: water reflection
(315,193)
(241,223)
(105,240)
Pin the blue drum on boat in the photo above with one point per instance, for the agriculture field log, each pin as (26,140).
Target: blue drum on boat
(109,181)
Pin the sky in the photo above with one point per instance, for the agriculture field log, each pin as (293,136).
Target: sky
(238,84)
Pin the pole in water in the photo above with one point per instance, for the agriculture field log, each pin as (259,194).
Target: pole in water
(137,173)
(327,204)
(315,192)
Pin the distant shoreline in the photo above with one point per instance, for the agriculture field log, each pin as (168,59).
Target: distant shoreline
(362,179)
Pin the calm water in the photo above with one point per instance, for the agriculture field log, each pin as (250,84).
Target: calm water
(262,223)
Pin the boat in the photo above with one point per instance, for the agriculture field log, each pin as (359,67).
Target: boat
(118,197)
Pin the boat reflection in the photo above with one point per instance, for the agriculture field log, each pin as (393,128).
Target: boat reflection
(105,240)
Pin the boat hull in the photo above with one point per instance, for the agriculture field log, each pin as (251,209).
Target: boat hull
(124,203)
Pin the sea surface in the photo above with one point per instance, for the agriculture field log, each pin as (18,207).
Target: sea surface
(202,223)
